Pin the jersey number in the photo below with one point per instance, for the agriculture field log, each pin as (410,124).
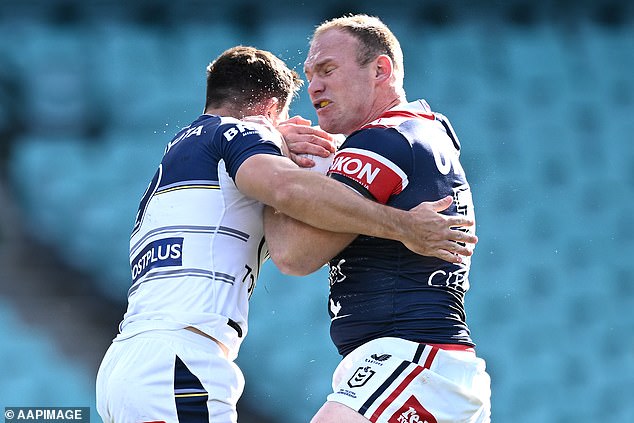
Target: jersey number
(251,277)
(145,200)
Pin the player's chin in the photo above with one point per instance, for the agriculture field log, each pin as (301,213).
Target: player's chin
(325,121)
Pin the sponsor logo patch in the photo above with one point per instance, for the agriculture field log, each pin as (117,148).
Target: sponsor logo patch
(159,253)
(412,412)
(378,175)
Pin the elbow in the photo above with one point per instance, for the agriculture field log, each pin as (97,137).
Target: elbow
(291,265)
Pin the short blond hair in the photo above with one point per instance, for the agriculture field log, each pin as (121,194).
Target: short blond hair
(375,38)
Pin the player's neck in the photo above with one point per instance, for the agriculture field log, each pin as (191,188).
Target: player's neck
(383,104)
(224,111)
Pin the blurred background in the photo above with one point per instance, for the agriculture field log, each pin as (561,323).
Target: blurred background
(541,94)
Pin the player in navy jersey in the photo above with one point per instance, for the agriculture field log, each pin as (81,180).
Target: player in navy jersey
(197,244)
(397,318)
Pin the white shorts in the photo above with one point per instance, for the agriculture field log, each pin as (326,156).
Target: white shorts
(392,380)
(167,376)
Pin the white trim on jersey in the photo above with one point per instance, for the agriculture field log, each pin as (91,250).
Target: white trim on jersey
(222,230)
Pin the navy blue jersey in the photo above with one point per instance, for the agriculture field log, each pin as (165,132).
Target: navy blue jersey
(377,286)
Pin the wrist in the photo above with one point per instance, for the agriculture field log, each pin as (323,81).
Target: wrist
(394,225)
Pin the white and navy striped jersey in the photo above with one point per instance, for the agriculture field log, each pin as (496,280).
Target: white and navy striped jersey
(198,243)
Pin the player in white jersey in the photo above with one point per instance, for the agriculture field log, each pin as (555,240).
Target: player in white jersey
(198,243)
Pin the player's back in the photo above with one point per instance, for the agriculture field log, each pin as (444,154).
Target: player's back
(198,243)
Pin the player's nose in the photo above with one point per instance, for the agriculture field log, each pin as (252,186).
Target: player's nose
(315,86)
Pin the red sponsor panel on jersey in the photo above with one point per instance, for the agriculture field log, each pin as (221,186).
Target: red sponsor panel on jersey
(412,411)
(378,175)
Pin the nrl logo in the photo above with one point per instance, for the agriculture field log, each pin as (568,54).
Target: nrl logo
(361,377)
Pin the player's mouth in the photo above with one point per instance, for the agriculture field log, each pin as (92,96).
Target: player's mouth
(321,104)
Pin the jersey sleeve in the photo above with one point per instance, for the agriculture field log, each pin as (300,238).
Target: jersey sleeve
(240,141)
(374,162)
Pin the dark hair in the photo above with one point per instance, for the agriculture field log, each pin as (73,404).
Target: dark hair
(243,76)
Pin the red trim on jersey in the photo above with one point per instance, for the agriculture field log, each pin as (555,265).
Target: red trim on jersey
(374,175)
(453,347)
(405,113)
(401,387)
(396,117)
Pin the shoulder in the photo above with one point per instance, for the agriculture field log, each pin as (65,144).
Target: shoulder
(386,142)
(233,129)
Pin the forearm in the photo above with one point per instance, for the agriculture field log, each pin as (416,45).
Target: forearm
(297,248)
(327,204)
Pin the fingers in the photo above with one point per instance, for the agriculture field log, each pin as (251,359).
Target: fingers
(302,161)
(457,235)
(467,237)
(459,221)
(437,206)
(307,147)
(307,140)
(318,133)
(447,256)
(447,252)
(298,120)
(442,204)
(463,250)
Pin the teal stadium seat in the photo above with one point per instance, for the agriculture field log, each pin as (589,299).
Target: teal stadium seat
(544,114)
(34,373)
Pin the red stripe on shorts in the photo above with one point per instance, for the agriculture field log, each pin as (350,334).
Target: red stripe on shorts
(401,387)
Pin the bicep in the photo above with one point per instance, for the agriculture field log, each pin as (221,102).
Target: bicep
(256,176)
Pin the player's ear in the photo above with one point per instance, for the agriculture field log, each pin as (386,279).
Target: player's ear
(271,108)
(383,67)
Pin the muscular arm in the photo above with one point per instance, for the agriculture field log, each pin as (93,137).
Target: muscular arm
(316,199)
(327,204)
(297,248)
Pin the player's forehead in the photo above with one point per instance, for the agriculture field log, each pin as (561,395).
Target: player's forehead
(332,45)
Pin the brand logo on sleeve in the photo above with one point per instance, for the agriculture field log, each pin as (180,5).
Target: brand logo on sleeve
(238,128)
(159,253)
(379,175)
(360,168)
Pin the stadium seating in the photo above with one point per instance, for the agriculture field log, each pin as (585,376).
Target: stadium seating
(34,373)
(544,114)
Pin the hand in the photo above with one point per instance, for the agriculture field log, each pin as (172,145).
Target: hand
(436,235)
(301,138)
